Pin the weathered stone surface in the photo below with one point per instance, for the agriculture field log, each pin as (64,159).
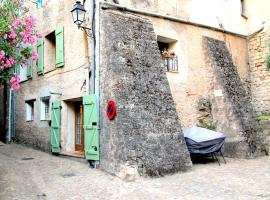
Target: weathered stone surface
(237,98)
(146,124)
(258,49)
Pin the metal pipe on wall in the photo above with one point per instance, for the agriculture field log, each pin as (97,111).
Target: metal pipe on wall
(97,51)
(9,116)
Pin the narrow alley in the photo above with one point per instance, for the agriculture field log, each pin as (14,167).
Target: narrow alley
(27,174)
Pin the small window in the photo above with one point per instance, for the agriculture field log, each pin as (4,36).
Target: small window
(49,54)
(45,108)
(168,55)
(30,110)
(23,73)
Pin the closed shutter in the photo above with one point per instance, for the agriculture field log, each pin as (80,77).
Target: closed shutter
(40,62)
(30,67)
(91,131)
(56,127)
(60,58)
(17,69)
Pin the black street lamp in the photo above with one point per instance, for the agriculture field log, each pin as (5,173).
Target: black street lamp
(78,14)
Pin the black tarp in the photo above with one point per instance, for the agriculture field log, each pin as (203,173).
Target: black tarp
(203,141)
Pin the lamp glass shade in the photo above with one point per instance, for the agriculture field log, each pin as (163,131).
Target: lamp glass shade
(78,13)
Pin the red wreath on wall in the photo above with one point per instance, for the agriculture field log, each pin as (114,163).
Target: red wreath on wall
(111,110)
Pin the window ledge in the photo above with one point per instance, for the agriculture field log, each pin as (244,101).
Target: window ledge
(30,120)
(173,72)
(50,70)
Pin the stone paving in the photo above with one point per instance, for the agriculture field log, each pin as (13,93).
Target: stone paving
(27,174)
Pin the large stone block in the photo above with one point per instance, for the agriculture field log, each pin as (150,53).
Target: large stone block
(146,132)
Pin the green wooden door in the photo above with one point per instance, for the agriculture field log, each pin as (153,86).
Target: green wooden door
(91,131)
(55,127)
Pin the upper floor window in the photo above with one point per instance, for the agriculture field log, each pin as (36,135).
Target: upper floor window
(168,55)
(51,51)
(29,110)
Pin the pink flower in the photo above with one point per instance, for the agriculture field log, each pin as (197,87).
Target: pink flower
(7,64)
(31,40)
(17,22)
(15,86)
(39,35)
(15,82)
(34,55)
(12,61)
(2,54)
(12,35)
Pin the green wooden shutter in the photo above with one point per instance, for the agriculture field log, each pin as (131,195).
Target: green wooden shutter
(56,127)
(17,69)
(40,62)
(39,3)
(30,67)
(91,131)
(59,53)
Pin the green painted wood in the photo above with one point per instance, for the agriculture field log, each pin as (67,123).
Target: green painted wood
(60,57)
(39,3)
(17,69)
(91,131)
(30,67)
(40,62)
(56,127)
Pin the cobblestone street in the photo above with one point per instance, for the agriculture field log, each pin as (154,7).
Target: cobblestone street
(27,174)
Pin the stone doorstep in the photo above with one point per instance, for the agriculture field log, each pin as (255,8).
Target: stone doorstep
(73,155)
(76,154)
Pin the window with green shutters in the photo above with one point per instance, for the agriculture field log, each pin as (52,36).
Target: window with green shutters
(59,52)
(40,61)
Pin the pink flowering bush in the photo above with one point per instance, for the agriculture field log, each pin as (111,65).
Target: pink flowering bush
(17,36)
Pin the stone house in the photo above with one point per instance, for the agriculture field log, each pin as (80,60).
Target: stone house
(213,73)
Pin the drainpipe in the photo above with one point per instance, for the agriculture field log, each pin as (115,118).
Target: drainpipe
(97,51)
(9,116)
(87,66)
(92,57)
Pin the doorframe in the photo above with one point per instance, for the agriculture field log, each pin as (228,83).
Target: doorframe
(80,106)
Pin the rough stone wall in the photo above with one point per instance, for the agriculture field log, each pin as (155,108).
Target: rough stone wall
(260,77)
(236,96)
(146,132)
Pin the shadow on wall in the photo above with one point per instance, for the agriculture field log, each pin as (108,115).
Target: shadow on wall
(235,93)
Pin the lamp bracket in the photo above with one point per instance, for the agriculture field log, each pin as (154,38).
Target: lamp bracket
(86,29)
